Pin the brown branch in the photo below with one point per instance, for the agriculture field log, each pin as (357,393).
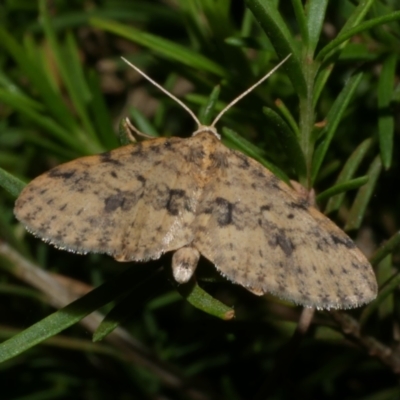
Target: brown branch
(352,329)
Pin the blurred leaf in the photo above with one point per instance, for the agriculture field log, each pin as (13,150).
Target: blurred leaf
(342,188)
(384,274)
(101,116)
(315,11)
(10,183)
(67,316)
(200,299)
(347,172)
(288,139)
(347,34)
(218,19)
(9,86)
(386,119)
(363,197)
(353,20)
(70,68)
(249,149)
(142,123)
(321,80)
(246,42)
(385,249)
(276,29)
(288,117)
(162,46)
(9,235)
(207,111)
(360,11)
(37,77)
(139,11)
(386,34)
(43,121)
(358,52)
(128,303)
(333,119)
(384,293)
(298,8)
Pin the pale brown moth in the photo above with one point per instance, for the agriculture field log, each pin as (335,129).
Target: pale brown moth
(197,197)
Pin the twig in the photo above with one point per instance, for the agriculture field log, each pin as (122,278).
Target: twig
(279,376)
(351,328)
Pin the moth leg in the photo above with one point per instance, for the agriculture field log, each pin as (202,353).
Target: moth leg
(121,258)
(308,196)
(257,292)
(128,133)
(184,263)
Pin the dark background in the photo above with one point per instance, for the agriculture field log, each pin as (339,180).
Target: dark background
(180,352)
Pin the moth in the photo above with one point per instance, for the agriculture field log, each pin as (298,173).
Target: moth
(196,197)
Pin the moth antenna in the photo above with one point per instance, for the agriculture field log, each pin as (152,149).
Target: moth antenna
(157,85)
(246,92)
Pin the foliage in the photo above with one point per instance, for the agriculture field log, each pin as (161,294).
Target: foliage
(325,119)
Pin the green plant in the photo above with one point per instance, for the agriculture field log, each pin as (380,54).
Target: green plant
(325,120)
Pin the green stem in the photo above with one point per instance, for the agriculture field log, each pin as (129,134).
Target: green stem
(307,119)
